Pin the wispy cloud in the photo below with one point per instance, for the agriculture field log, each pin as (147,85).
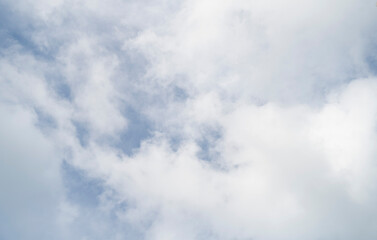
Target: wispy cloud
(187,120)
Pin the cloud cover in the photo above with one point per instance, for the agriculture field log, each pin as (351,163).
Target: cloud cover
(188,120)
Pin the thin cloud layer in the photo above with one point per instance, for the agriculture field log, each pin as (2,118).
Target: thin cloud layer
(188,120)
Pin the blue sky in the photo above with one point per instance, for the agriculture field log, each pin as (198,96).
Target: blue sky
(192,119)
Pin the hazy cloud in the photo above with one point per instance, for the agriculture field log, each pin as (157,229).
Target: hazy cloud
(188,120)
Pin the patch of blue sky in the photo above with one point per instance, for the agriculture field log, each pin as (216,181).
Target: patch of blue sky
(85,192)
(58,84)
(81,189)
(371,60)
(207,144)
(44,120)
(18,29)
(131,69)
(21,37)
(180,94)
(139,128)
(82,132)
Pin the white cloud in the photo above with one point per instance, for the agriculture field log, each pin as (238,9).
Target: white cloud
(261,116)
(29,176)
(282,178)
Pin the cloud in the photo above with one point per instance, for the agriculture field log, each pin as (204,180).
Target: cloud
(287,172)
(30,178)
(188,120)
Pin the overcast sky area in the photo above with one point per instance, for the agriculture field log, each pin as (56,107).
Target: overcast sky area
(188,120)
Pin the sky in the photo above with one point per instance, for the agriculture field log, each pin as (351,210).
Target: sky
(190,120)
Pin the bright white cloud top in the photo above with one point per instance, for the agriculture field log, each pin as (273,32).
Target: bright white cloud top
(193,119)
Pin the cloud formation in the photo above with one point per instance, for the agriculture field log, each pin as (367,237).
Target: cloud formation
(164,120)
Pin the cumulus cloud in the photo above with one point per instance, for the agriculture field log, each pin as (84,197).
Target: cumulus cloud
(188,120)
